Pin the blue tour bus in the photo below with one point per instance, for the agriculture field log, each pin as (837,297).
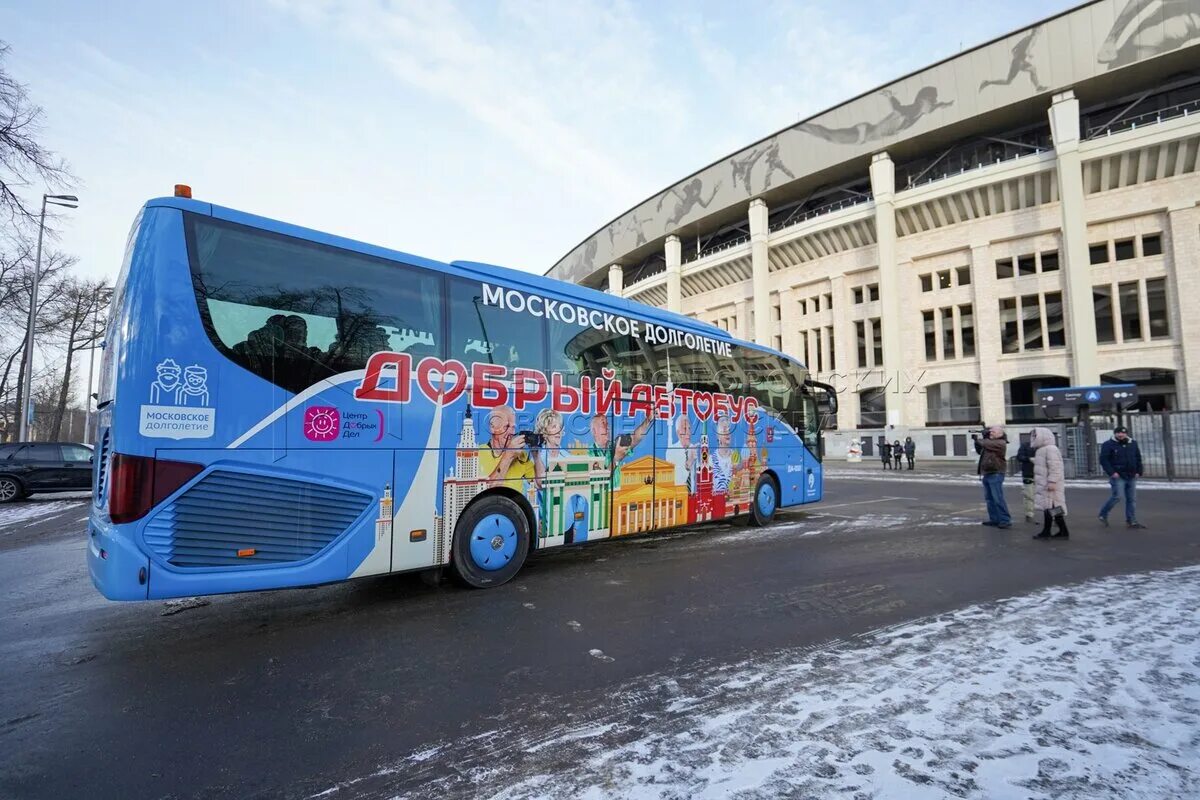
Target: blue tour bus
(281,407)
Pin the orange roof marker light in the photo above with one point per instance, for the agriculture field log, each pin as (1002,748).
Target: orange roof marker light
(183,190)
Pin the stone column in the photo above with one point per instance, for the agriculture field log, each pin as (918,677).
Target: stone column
(883,187)
(743,319)
(987,334)
(1183,286)
(674,254)
(616,280)
(844,379)
(789,324)
(1077,282)
(760,266)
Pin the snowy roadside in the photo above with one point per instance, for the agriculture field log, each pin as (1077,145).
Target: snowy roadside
(1087,691)
(904,476)
(24,512)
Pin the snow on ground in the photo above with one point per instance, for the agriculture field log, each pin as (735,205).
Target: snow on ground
(844,473)
(25,512)
(1088,691)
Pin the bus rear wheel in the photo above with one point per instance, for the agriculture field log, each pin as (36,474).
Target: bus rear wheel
(491,541)
(766,501)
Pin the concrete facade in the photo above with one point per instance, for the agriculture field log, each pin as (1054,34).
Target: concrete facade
(863,269)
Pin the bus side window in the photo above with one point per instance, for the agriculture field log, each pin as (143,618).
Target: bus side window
(492,335)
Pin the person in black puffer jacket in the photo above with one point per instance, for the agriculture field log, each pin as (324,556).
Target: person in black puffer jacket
(1025,459)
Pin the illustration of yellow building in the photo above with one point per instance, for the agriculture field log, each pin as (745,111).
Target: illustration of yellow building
(648,497)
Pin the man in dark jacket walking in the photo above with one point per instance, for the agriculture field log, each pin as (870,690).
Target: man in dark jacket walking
(1121,461)
(1025,459)
(993,462)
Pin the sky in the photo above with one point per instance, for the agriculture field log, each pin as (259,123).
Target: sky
(504,131)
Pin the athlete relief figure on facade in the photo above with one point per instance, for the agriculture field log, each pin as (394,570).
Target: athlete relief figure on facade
(902,117)
(1022,62)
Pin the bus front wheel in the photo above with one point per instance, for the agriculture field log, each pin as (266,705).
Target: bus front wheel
(491,541)
(766,501)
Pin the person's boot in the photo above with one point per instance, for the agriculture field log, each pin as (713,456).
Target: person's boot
(1063,533)
(1044,533)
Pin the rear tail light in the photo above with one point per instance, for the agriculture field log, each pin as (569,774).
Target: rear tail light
(138,483)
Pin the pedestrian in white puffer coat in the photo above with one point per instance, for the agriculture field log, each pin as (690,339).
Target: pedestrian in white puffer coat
(1050,492)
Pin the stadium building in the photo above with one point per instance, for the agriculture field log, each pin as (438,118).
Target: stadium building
(1021,215)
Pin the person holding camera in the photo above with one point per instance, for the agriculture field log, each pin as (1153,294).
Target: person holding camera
(885,452)
(505,459)
(1050,491)
(621,448)
(992,447)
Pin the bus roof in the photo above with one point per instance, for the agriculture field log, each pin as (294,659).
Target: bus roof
(462,268)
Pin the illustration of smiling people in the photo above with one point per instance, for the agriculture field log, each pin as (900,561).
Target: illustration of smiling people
(621,449)
(504,459)
(194,387)
(165,388)
(726,459)
(548,423)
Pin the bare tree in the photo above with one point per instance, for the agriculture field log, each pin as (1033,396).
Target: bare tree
(22,159)
(77,311)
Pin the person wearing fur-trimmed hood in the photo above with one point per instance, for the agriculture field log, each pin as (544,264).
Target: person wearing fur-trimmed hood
(1050,492)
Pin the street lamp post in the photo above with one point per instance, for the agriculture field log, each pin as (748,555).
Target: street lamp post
(68,201)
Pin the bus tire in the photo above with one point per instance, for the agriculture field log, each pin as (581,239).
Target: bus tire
(765,502)
(11,489)
(491,542)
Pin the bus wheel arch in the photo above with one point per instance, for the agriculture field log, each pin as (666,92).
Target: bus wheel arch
(492,538)
(765,501)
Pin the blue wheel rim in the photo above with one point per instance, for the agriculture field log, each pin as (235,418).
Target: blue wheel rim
(493,542)
(766,499)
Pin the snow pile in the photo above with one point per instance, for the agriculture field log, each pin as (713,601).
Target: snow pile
(23,513)
(1090,691)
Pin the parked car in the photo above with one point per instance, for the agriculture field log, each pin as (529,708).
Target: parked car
(28,467)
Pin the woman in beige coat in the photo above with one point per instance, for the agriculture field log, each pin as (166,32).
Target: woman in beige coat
(1050,494)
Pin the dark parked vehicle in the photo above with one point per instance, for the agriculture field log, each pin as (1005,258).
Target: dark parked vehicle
(28,467)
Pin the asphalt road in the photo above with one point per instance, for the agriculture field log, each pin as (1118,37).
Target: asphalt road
(311,691)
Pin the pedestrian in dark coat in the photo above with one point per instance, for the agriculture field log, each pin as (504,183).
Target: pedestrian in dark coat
(992,447)
(1121,461)
(910,450)
(897,452)
(1025,459)
(885,454)
(1050,492)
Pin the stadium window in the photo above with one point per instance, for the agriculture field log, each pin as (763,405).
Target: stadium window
(964,275)
(816,304)
(1004,268)
(1050,261)
(1123,249)
(1098,253)
(858,295)
(1009,341)
(777,342)
(1031,313)
(820,359)
(1131,312)
(1102,301)
(803,307)
(877,336)
(944,279)
(803,354)
(1056,335)
(1152,244)
(778,312)
(966,322)
(1156,307)
(930,336)
(832,356)
(873,291)
(926,283)
(829,302)
(948,333)
(1026,265)
(860,330)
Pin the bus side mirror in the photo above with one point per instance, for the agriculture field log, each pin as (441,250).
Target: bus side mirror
(826,396)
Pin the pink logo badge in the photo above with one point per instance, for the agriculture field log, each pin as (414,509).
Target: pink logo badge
(321,423)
